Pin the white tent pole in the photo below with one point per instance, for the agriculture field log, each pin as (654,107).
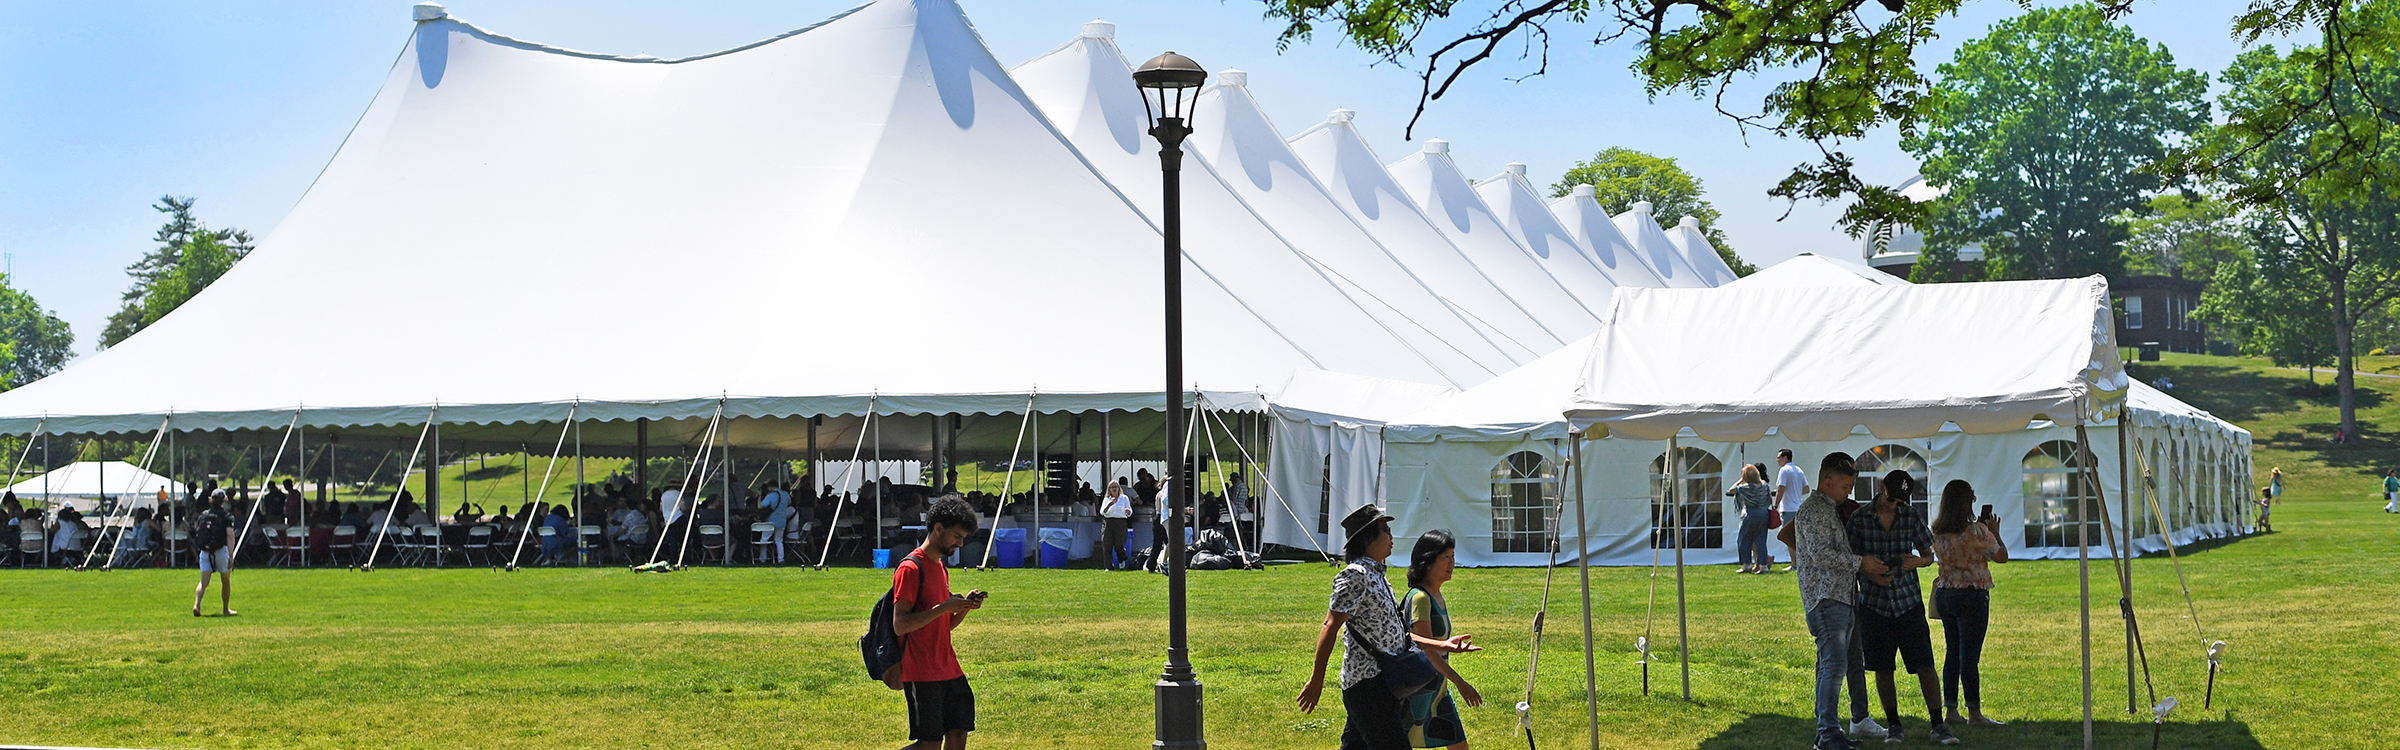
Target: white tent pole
(846,471)
(2083,576)
(1219,464)
(21,456)
(1278,495)
(131,486)
(579,485)
(1683,629)
(660,547)
(2125,550)
(875,427)
(300,451)
(530,517)
(699,468)
(725,532)
(398,487)
(994,535)
(1583,566)
(250,519)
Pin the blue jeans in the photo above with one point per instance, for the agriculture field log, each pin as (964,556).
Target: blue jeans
(1832,623)
(1753,540)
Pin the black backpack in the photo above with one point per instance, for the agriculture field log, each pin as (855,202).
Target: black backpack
(211,536)
(880,647)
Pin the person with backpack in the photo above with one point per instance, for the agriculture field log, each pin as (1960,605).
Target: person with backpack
(941,706)
(215,556)
(1376,703)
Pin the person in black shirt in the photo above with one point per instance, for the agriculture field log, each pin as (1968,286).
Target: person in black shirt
(209,535)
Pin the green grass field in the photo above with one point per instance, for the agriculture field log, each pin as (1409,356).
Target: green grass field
(566,658)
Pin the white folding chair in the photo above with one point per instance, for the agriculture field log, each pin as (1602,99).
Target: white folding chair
(343,544)
(433,546)
(762,542)
(587,543)
(479,543)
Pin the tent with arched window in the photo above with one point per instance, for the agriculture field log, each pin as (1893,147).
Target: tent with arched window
(1470,463)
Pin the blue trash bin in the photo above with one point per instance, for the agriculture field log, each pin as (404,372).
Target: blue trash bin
(883,558)
(1008,548)
(1055,543)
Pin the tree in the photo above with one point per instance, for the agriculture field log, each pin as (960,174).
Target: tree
(189,257)
(2271,312)
(2041,129)
(34,342)
(2324,191)
(1621,176)
(2186,236)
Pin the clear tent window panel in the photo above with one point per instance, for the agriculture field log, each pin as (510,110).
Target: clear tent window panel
(1703,490)
(1889,457)
(2054,493)
(1524,489)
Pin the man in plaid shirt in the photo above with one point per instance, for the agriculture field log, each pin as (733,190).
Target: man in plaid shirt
(1891,608)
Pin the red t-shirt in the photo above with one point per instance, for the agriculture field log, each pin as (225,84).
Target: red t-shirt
(926,656)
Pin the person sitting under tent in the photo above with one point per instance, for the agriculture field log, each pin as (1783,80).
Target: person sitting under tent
(10,508)
(140,539)
(294,503)
(69,536)
(777,504)
(562,530)
(350,517)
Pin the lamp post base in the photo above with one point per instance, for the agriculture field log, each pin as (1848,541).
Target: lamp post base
(1178,714)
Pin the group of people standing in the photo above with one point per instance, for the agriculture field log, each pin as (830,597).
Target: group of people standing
(1857,569)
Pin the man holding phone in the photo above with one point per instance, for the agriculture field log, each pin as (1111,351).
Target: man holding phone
(941,707)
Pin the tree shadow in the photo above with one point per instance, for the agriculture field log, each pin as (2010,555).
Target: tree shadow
(2232,393)
(491,472)
(1772,732)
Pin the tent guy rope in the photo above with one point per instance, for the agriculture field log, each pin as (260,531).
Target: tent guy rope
(531,517)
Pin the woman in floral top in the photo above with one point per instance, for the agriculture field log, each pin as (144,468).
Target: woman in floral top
(1962,595)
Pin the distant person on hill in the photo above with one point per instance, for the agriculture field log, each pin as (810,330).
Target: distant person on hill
(209,536)
(2266,506)
(941,705)
(1828,573)
(1966,546)
(1757,502)
(2391,491)
(2275,481)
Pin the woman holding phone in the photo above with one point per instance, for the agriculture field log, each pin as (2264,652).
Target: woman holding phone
(1965,547)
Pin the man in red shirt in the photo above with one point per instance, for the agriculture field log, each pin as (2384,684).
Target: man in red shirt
(941,708)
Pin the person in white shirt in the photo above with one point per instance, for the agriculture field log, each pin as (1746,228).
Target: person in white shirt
(1116,512)
(1791,487)
(670,505)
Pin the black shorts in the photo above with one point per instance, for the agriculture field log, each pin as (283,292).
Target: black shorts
(939,708)
(1880,635)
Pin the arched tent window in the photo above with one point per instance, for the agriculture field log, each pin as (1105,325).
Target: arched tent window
(1524,490)
(2054,489)
(1703,500)
(1883,459)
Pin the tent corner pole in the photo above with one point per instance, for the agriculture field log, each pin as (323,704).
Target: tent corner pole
(1683,629)
(2083,574)
(2125,553)
(1583,567)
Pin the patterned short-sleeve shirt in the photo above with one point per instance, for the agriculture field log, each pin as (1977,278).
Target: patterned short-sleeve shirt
(1966,558)
(1362,592)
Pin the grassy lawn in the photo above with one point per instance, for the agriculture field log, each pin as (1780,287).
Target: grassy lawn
(571,658)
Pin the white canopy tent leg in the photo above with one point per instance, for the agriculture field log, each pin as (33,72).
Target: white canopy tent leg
(1583,566)
(838,505)
(2125,552)
(1683,627)
(725,529)
(530,516)
(250,519)
(399,487)
(2083,577)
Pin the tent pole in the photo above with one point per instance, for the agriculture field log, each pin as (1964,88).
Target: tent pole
(813,468)
(641,461)
(1583,566)
(725,440)
(579,490)
(1683,630)
(2125,551)
(1108,473)
(875,427)
(2083,576)
(1033,421)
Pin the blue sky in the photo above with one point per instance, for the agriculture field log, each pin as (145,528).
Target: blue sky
(106,106)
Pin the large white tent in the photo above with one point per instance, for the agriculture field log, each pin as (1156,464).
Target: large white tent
(1444,193)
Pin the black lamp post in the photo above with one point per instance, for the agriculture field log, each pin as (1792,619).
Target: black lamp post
(1170,84)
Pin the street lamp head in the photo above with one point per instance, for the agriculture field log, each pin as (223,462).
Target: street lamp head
(1169,85)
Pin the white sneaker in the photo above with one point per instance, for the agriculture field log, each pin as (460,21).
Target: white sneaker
(1867,728)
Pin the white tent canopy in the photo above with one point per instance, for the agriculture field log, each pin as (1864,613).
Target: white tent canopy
(1812,270)
(1531,224)
(1988,357)
(1445,194)
(95,479)
(1693,243)
(735,204)
(1672,265)
(1591,225)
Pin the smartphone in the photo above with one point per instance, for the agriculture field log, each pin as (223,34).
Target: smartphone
(978,594)
(1987,511)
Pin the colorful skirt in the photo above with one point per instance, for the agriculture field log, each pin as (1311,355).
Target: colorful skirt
(1433,720)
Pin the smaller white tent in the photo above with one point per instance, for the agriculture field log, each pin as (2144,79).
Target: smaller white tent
(1811,269)
(92,480)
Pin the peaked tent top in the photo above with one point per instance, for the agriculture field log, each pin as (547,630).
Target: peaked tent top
(668,202)
(1989,357)
(1811,270)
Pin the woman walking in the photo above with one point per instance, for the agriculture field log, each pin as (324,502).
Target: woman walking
(1758,505)
(1965,547)
(1432,717)
(1363,605)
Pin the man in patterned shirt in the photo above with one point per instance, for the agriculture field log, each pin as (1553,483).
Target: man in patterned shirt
(1891,608)
(1828,572)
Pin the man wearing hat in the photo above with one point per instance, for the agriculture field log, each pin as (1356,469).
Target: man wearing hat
(1363,605)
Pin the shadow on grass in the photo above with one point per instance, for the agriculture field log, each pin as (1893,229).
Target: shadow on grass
(491,472)
(1766,731)
(2232,393)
